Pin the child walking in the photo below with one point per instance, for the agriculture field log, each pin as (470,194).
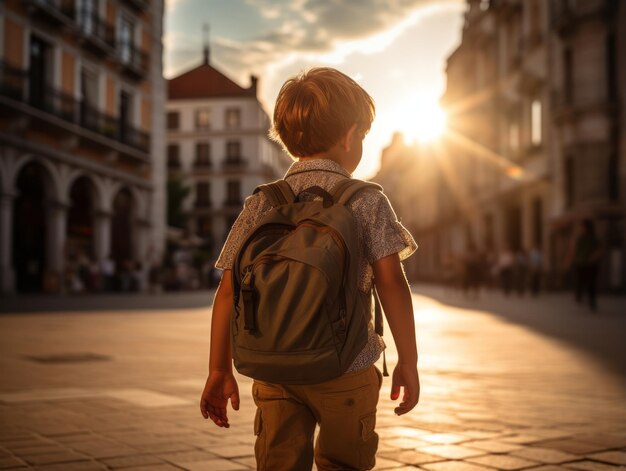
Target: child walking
(321,118)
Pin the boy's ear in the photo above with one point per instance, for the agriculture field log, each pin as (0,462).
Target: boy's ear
(346,140)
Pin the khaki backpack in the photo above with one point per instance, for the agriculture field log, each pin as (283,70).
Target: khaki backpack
(299,317)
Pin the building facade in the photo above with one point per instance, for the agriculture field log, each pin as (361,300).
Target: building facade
(535,103)
(81,139)
(218,148)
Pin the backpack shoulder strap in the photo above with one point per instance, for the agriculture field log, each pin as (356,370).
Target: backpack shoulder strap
(278,192)
(346,189)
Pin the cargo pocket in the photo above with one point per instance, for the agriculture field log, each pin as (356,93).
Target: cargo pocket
(258,422)
(369,441)
(259,445)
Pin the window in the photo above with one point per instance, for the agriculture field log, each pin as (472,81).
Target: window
(233,192)
(203,118)
(173,120)
(569,177)
(126,37)
(203,194)
(89,99)
(233,150)
(204,226)
(535,123)
(203,154)
(233,118)
(173,156)
(88,15)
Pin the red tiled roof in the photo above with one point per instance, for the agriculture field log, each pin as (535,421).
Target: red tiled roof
(206,82)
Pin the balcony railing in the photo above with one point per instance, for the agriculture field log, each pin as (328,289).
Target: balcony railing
(16,84)
(138,4)
(234,164)
(202,203)
(96,30)
(56,11)
(132,59)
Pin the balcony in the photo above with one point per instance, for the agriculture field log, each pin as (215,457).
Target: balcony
(134,61)
(139,5)
(202,203)
(56,12)
(95,32)
(19,87)
(234,164)
(567,15)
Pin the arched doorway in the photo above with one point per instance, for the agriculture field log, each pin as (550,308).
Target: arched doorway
(29,229)
(80,219)
(122,249)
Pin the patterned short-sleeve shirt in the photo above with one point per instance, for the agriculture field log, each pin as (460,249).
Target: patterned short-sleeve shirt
(378,230)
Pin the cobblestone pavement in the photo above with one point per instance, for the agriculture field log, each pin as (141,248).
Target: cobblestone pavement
(506,384)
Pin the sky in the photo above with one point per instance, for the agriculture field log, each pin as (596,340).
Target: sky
(395,49)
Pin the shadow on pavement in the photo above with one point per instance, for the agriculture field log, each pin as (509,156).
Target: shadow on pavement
(106,302)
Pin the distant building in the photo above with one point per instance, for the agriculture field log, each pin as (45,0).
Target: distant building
(218,146)
(81,140)
(535,92)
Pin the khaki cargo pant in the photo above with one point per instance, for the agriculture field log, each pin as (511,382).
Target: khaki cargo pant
(345,409)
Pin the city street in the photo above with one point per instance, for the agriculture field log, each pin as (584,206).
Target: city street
(507,383)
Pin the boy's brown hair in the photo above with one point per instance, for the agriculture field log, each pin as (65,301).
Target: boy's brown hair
(316,108)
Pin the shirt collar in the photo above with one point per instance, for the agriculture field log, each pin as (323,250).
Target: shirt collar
(320,165)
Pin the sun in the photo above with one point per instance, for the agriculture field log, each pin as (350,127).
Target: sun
(420,118)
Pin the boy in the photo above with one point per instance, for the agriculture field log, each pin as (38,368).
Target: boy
(321,118)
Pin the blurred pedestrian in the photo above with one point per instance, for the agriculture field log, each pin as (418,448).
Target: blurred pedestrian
(520,272)
(506,262)
(471,272)
(107,269)
(585,260)
(535,264)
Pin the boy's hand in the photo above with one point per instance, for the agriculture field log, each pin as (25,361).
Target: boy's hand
(220,386)
(406,376)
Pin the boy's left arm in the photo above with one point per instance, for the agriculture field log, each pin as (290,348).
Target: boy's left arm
(395,297)
(220,384)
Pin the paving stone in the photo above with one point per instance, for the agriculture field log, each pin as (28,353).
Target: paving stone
(249,462)
(613,457)
(187,456)
(573,446)
(589,465)
(164,447)
(521,438)
(492,446)
(133,460)
(234,451)
(544,455)
(443,438)
(404,443)
(502,461)
(43,449)
(76,466)
(454,466)
(11,462)
(384,463)
(214,465)
(155,467)
(451,451)
(50,458)
(400,432)
(550,467)
(410,457)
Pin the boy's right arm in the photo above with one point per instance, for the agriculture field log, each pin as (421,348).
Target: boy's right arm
(395,297)
(220,384)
